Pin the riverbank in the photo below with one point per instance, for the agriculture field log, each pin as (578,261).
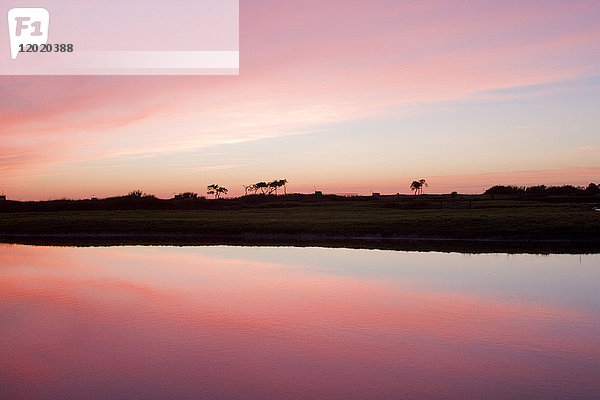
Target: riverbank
(473,246)
(391,222)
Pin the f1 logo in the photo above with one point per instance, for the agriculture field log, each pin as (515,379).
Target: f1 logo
(27,26)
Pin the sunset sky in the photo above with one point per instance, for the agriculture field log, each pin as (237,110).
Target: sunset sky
(337,95)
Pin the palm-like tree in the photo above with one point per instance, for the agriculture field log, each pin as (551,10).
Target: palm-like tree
(283,183)
(423,182)
(415,186)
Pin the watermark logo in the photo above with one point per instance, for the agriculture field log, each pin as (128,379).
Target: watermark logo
(179,37)
(27,26)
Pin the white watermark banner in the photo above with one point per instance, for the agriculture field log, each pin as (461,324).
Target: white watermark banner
(119,37)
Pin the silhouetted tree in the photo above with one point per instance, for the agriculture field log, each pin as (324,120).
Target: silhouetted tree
(276,184)
(505,190)
(267,187)
(542,190)
(592,189)
(216,190)
(273,186)
(251,188)
(423,182)
(415,186)
(262,186)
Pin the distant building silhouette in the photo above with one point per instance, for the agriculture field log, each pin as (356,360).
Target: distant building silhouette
(318,192)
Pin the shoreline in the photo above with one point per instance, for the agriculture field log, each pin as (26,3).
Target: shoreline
(500,225)
(374,242)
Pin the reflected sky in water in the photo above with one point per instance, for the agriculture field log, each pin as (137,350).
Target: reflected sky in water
(296,323)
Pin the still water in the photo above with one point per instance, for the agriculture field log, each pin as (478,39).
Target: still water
(296,323)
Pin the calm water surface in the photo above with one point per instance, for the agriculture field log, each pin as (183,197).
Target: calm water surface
(296,323)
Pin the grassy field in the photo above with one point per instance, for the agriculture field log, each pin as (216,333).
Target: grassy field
(486,219)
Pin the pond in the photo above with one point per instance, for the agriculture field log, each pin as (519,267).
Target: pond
(226,322)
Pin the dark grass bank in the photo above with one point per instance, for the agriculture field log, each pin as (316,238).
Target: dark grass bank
(396,217)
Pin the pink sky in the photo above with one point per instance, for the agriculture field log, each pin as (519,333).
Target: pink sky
(342,96)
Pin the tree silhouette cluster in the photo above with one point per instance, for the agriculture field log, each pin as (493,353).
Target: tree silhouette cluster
(543,190)
(266,187)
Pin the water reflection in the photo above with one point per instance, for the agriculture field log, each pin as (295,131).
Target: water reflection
(289,323)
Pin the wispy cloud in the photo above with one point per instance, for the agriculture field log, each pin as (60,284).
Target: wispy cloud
(208,168)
